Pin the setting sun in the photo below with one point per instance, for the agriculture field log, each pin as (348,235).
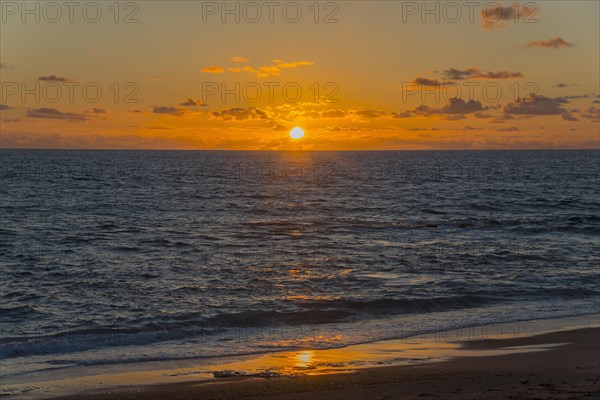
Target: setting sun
(297,133)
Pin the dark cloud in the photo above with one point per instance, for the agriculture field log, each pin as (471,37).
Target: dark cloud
(368,114)
(405,114)
(168,110)
(459,106)
(509,129)
(455,117)
(98,111)
(476,73)
(592,114)
(574,96)
(54,78)
(553,43)
(4,107)
(500,119)
(569,117)
(496,17)
(189,102)
(537,105)
(564,85)
(454,110)
(428,82)
(346,129)
(240,114)
(53,113)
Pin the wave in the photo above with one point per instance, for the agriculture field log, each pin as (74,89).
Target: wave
(307,313)
(19,313)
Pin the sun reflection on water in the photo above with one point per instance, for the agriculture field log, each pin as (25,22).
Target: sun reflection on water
(304,359)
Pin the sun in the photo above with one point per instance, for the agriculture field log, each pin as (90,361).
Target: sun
(297,133)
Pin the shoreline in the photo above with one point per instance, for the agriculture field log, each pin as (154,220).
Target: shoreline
(534,338)
(554,365)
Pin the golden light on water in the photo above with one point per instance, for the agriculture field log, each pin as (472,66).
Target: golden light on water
(297,133)
(304,359)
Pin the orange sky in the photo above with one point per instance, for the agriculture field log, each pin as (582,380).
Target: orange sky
(353,75)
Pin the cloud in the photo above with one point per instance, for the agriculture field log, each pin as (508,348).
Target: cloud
(368,114)
(336,113)
(574,96)
(238,59)
(537,105)
(510,129)
(53,113)
(476,73)
(98,111)
(459,106)
(261,72)
(332,114)
(3,65)
(564,85)
(592,114)
(454,110)
(295,64)
(189,102)
(496,17)
(4,107)
(54,78)
(168,110)
(428,82)
(405,114)
(265,71)
(553,43)
(346,129)
(454,117)
(569,117)
(240,114)
(215,69)
(280,128)
(501,119)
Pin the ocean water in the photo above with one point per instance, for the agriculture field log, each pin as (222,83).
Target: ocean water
(112,257)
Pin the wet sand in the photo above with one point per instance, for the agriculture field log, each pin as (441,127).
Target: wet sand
(560,365)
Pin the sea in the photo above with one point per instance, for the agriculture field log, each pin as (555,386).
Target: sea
(117,257)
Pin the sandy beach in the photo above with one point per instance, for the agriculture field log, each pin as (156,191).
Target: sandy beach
(557,365)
